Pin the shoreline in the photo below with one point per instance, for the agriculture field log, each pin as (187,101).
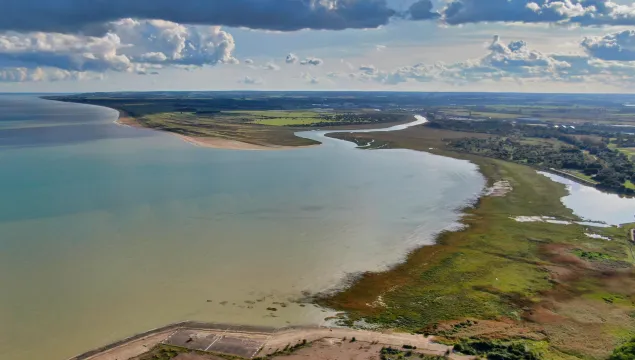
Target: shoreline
(489,236)
(499,280)
(124,119)
(208,142)
(268,339)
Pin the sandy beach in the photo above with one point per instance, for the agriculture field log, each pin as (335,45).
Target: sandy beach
(207,141)
(126,120)
(219,143)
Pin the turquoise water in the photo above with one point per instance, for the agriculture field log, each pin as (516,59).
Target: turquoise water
(107,230)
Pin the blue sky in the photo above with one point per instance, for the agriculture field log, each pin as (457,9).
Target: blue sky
(394,45)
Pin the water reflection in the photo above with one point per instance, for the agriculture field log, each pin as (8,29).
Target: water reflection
(592,204)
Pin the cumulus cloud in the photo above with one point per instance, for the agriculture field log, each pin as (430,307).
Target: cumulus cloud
(248,80)
(291,59)
(512,61)
(617,46)
(129,46)
(22,74)
(271,66)
(312,61)
(144,72)
(313,80)
(249,61)
(165,42)
(67,52)
(580,12)
(516,58)
(281,15)
(368,69)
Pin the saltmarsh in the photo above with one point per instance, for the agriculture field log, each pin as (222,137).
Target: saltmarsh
(518,281)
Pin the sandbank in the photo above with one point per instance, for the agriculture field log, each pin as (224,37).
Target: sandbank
(207,141)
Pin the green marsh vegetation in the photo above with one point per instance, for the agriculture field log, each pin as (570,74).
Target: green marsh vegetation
(624,352)
(390,353)
(547,287)
(539,285)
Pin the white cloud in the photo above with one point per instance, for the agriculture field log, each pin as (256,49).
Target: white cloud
(248,80)
(271,66)
(513,61)
(174,43)
(22,74)
(618,46)
(368,69)
(129,46)
(310,79)
(291,59)
(312,61)
(571,12)
(66,52)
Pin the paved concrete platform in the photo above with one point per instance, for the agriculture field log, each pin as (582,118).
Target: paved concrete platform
(192,339)
(228,342)
(246,341)
(232,345)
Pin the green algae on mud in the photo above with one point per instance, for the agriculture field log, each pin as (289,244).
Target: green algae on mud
(516,280)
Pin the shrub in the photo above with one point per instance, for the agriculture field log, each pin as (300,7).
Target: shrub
(624,352)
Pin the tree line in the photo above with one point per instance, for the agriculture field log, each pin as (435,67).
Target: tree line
(583,149)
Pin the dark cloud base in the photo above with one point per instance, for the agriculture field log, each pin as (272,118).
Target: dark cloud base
(282,15)
(92,17)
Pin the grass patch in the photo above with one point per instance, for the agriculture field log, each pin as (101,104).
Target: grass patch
(280,118)
(390,353)
(628,151)
(580,175)
(162,352)
(238,129)
(592,255)
(562,113)
(497,268)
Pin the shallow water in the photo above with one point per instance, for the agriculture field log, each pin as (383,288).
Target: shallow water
(106,230)
(592,204)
